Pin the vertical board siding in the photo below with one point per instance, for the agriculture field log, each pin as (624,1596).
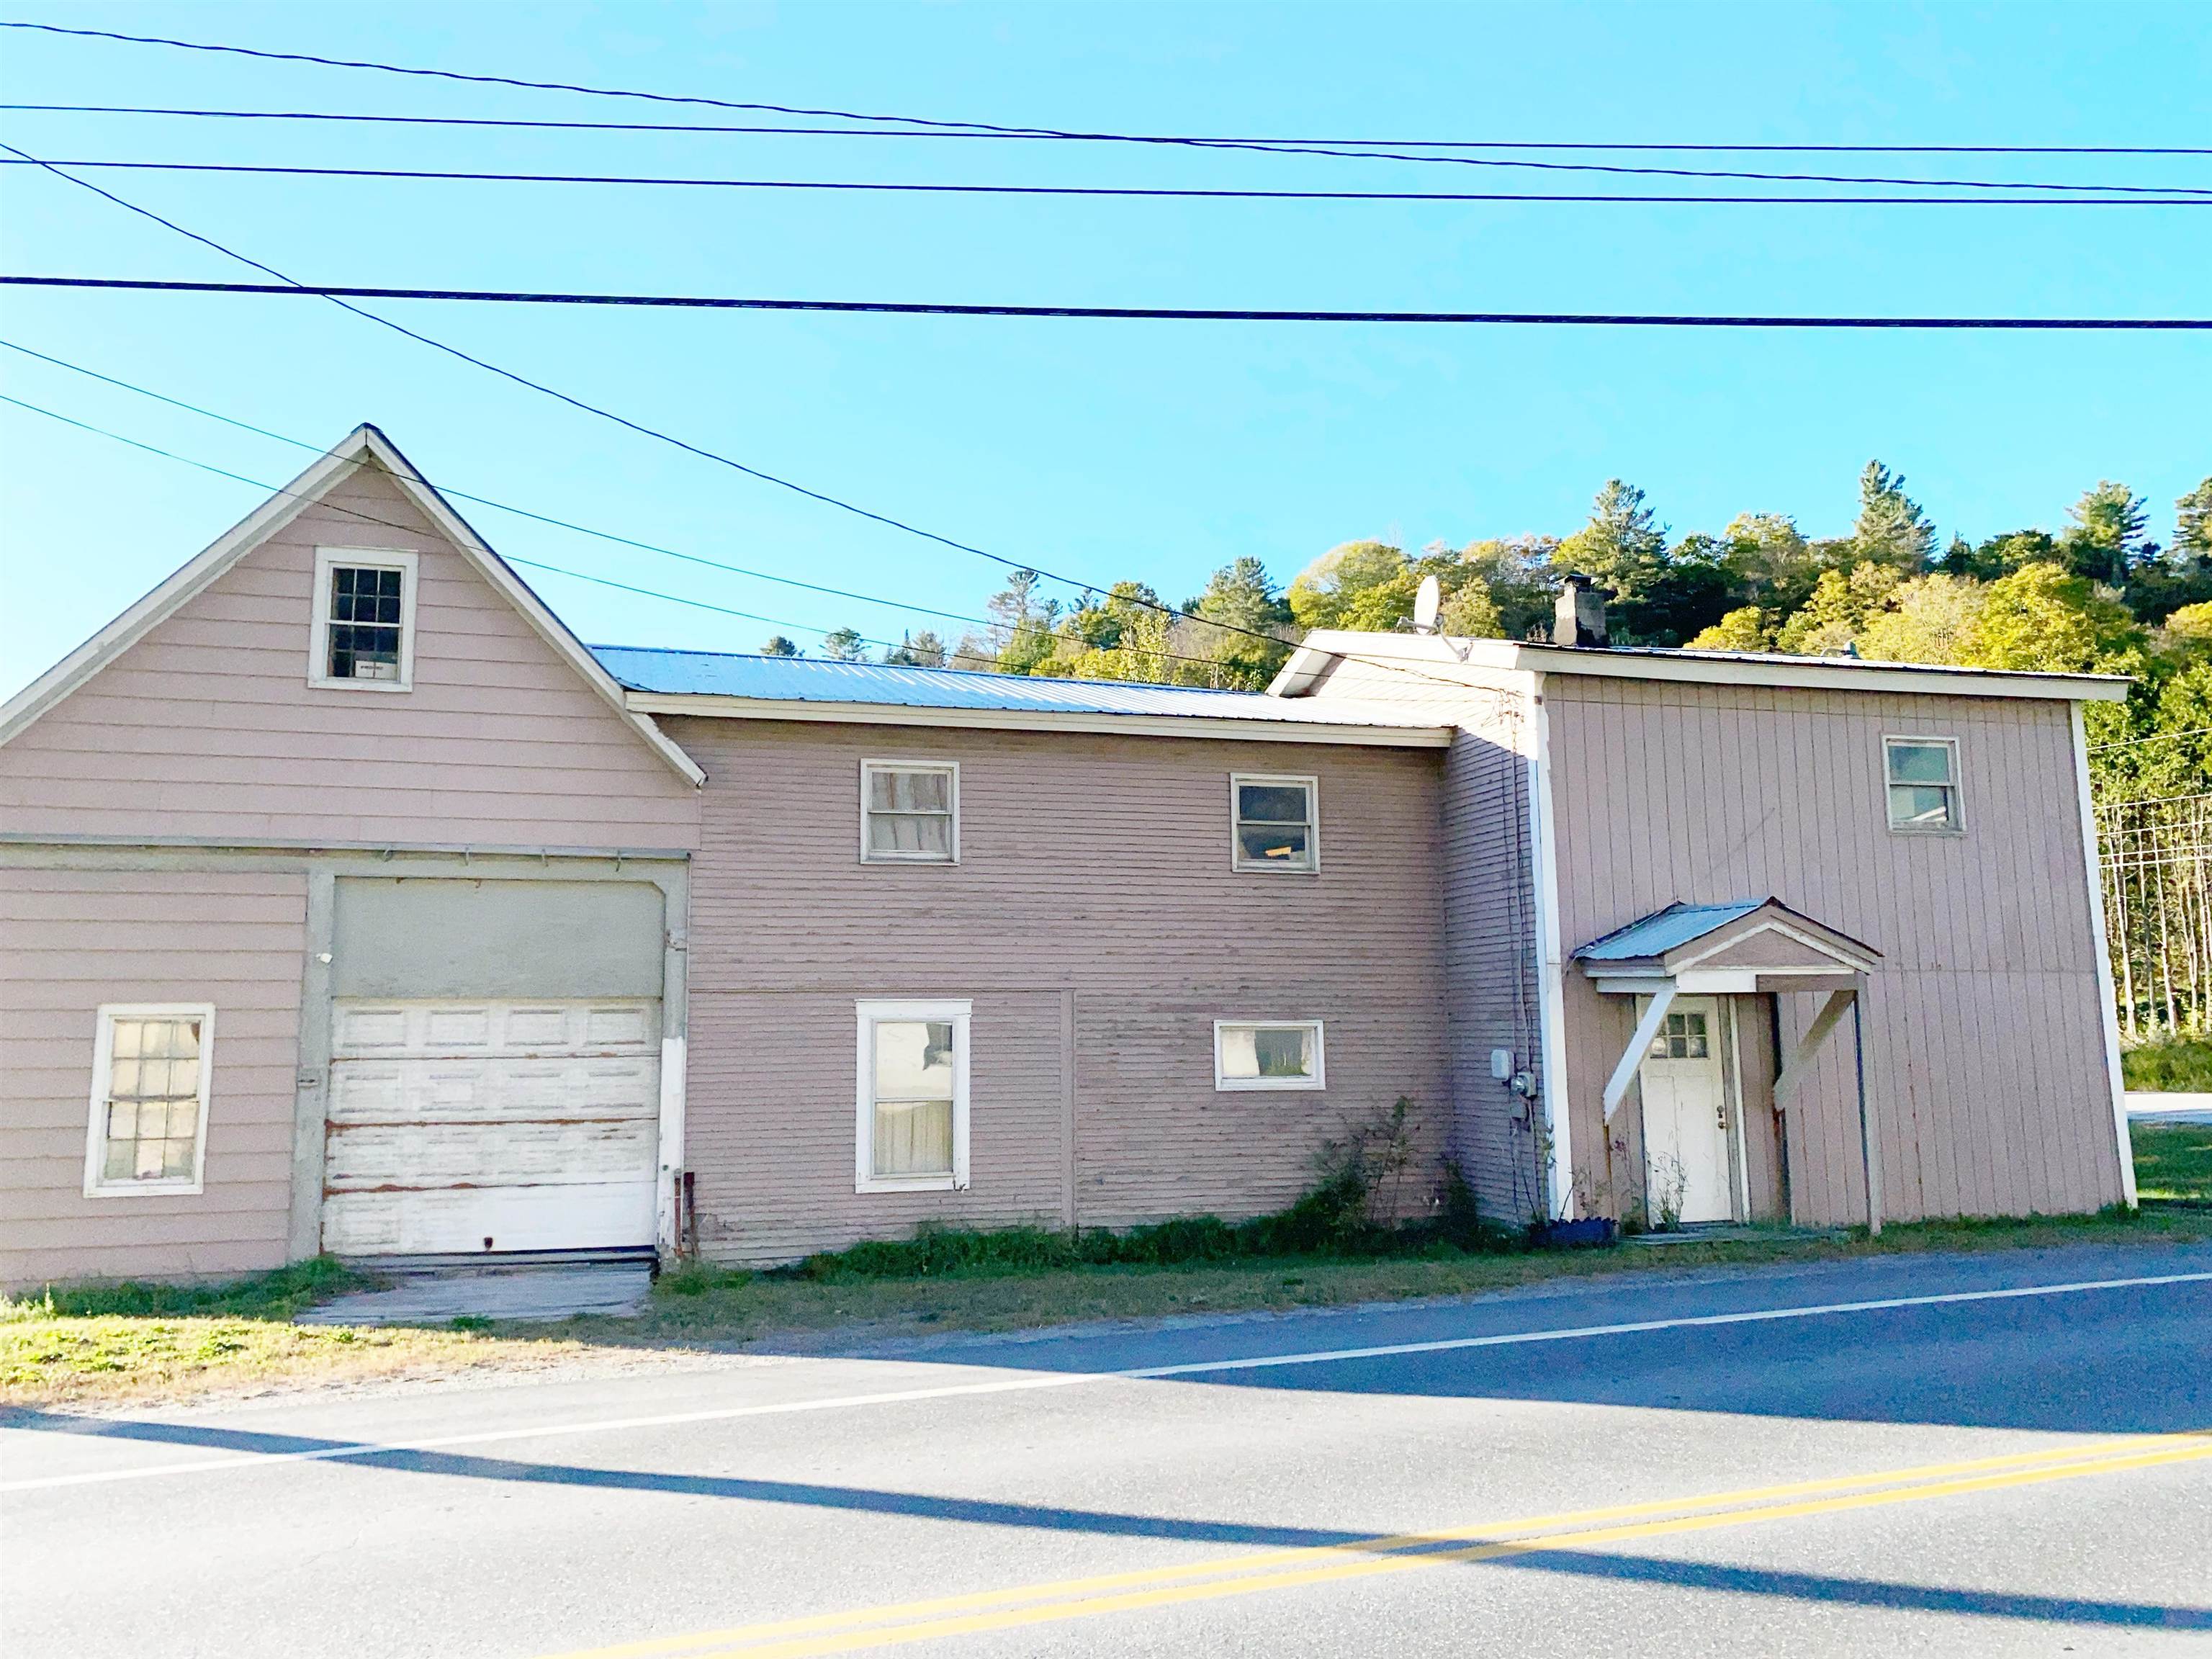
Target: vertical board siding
(1489,903)
(1984,1059)
(74,939)
(1095,866)
(207,726)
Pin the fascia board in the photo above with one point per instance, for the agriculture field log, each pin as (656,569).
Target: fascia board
(1716,668)
(1041,720)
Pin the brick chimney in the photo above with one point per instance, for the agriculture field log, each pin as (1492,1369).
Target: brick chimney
(1579,618)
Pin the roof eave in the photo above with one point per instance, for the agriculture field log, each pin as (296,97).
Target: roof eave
(713,706)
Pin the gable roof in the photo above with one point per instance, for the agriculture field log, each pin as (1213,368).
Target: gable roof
(1660,942)
(363,447)
(739,685)
(1319,650)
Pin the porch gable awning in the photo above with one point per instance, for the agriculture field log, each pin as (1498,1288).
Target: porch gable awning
(1741,946)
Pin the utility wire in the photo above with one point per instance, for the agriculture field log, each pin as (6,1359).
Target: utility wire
(2142,195)
(389,524)
(340,293)
(1357,149)
(526,513)
(521,123)
(2158,736)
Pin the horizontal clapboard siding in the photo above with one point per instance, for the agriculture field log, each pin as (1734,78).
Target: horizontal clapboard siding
(1489,895)
(207,728)
(1094,871)
(76,940)
(1985,1055)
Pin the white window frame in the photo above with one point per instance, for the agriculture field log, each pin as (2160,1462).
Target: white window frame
(1225,1083)
(908,763)
(870,1012)
(1311,785)
(103,1062)
(1926,740)
(327,560)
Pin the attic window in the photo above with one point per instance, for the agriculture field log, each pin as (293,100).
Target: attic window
(364,623)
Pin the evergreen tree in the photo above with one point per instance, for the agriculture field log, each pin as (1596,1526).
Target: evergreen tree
(1892,530)
(844,645)
(2107,537)
(776,646)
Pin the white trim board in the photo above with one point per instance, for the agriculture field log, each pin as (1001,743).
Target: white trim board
(363,447)
(1289,729)
(1440,656)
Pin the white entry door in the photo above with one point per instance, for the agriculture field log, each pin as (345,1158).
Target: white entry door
(1686,1123)
(467,1126)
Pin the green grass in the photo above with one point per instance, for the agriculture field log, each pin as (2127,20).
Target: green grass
(2172,1065)
(106,1344)
(2174,1161)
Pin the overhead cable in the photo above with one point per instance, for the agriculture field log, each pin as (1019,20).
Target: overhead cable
(2143,196)
(1365,151)
(939,132)
(340,293)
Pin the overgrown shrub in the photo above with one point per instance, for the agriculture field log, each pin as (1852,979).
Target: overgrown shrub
(1353,1209)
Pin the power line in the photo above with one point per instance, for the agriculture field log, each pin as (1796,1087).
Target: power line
(938,132)
(1359,149)
(2158,736)
(342,292)
(526,512)
(2143,196)
(390,524)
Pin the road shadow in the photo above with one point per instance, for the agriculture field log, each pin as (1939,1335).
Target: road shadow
(1800,1587)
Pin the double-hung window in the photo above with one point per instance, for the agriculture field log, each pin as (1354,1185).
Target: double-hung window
(1283,1054)
(909,812)
(363,636)
(1923,778)
(149,1099)
(913,1104)
(1274,822)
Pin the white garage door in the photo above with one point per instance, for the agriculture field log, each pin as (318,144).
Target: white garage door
(491,1125)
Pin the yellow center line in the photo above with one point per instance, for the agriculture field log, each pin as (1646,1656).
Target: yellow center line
(845,1631)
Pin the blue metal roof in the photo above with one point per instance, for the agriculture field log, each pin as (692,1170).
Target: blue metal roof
(1664,930)
(812,679)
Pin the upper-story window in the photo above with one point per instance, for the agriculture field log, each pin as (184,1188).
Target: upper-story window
(1274,822)
(1922,776)
(909,812)
(363,637)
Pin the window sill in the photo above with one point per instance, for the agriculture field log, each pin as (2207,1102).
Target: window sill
(1928,834)
(924,863)
(1271,1086)
(943,1183)
(148,1190)
(1277,869)
(325,683)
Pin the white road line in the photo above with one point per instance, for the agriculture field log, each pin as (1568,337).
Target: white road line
(1069,1379)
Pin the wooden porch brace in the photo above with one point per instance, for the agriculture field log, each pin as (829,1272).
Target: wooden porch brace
(1623,1073)
(1801,1060)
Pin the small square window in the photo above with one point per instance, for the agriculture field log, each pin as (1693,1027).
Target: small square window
(1923,778)
(909,812)
(1682,1036)
(1267,1055)
(149,1096)
(1275,823)
(364,623)
(913,1096)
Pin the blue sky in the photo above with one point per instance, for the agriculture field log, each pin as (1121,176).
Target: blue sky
(1106,450)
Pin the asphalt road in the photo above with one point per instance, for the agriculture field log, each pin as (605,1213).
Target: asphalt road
(1998,1462)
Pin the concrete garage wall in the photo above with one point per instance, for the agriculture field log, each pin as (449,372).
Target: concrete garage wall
(1095,923)
(440,937)
(77,939)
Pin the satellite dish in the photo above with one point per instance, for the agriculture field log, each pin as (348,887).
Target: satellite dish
(1426,603)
